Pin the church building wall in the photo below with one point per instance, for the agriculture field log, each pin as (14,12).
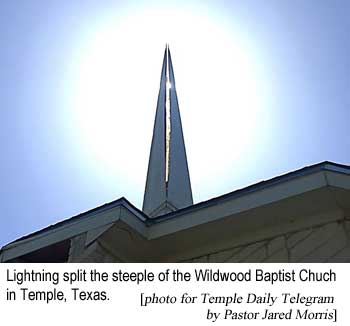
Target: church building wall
(95,253)
(329,242)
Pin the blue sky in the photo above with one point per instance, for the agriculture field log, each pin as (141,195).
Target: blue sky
(263,87)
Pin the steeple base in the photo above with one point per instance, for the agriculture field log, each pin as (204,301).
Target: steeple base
(164,208)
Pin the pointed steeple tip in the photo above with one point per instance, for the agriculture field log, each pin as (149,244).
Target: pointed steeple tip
(168,185)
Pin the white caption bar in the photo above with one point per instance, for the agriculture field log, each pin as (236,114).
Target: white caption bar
(158,294)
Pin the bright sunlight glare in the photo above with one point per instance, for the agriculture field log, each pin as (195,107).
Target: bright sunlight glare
(116,83)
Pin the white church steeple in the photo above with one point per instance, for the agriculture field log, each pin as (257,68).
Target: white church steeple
(168,185)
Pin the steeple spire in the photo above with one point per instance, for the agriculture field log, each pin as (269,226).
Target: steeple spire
(168,185)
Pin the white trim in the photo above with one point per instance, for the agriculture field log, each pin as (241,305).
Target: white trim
(186,219)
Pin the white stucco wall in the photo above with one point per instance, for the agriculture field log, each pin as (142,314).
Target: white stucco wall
(329,242)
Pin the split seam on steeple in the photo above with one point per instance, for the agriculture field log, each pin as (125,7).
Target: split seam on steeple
(168,185)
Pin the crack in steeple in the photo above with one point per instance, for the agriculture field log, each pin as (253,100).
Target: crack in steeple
(168,184)
(167,120)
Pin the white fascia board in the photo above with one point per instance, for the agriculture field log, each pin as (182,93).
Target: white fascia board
(330,176)
(339,169)
(239,204)
(68,230)
(337,179)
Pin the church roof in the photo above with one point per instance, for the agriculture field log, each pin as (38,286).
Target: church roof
(144,218)
(322,166)
(284,203)
(107,206)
